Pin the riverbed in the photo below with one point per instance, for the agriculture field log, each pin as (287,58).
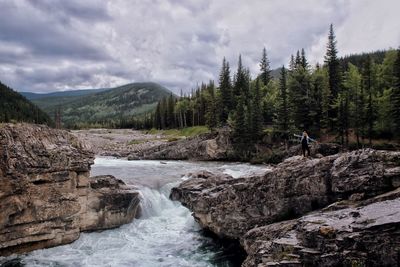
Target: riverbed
(165,234)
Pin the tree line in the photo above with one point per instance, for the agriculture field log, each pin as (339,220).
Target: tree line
(355,97)
(16,108)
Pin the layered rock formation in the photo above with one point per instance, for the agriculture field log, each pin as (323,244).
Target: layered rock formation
(211,146)
(46,195)
(346,200)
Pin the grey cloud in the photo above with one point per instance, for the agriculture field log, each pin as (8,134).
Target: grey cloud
(65,10)
(55,44)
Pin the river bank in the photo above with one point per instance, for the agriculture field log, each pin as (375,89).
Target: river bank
(165,234)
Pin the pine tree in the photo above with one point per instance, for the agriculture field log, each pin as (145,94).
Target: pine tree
(241,82)
(352,84)
(264,68)
(282,120)
(367,85)
(225,87)
(304,62)
(256,113)
(317,100)
(299,95)
(292,63)
(211,111)
(332,62)
(240,124)
(395,96)
(170,120)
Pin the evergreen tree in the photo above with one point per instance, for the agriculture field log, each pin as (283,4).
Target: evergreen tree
(225,87)
(256,113)
(211,111)
(157,117)
(282,120)
(367,85)
(332,62)
(395,96)
(292,63)
(352,84)
(318,90)
(240,124)
(170,115)
(304,62)
(299,95)
(241,82)
(264,68)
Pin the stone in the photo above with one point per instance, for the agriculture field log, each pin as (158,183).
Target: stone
(305,212)
(46,195)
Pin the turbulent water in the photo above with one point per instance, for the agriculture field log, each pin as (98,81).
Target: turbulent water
(165,235)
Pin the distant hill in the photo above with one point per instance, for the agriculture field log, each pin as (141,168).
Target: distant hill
(102,107)
(15,107)
(33,96)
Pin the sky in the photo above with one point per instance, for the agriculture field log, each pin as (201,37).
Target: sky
(56,45)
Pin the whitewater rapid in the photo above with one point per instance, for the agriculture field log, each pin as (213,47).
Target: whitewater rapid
(166,233)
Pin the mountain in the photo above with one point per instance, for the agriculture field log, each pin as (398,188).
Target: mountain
(102,107)
(15,107)
(33,96)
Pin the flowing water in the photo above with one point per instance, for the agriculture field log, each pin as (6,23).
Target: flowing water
(165,235)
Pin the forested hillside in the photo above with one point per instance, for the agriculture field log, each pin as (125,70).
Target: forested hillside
(105,108)
(354,99)
(15,107)
(70,93)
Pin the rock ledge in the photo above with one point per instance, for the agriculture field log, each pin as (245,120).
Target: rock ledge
(46,195)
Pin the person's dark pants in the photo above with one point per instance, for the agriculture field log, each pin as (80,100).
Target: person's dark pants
(305,148)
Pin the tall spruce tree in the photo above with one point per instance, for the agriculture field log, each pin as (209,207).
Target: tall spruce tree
(367,85)
(256,113)
(265,74)
(299,95)
(211,110)
(334,74)
(225,87)
(241,83)
(317,100)
(240,124)
(352,84)
(282,118)
(395,96)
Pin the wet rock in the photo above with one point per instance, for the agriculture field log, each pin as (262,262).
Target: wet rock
(46,195)
(110,203)
(345,187)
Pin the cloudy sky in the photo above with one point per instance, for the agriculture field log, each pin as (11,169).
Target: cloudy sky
(53,45)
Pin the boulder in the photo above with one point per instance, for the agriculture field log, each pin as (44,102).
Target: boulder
(46,195)
(110,203)
(234,208)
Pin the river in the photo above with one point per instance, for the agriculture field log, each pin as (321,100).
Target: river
(165,235)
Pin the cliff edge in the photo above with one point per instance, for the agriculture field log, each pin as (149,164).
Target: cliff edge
(46,194)
(338,210)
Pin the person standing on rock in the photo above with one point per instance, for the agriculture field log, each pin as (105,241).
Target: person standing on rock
(305,140)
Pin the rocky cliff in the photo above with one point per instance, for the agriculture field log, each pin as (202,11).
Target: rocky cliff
(46,195)
(338,210)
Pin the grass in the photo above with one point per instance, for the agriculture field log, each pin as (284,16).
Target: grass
(180,133)
(137,142)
